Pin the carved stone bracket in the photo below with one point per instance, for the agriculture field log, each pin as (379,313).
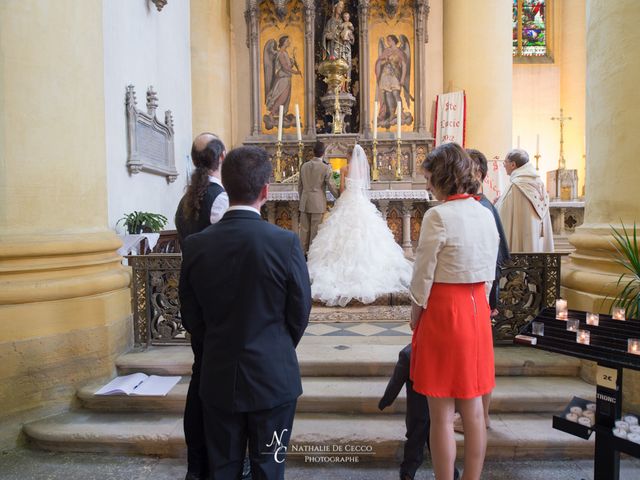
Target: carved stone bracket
(150,142)
(159,4)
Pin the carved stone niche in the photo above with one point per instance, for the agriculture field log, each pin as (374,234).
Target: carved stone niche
(150,142)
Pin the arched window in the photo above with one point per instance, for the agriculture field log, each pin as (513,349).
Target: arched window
(531,30)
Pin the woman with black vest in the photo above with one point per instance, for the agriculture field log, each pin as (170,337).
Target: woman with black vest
(205,200)
(203,204)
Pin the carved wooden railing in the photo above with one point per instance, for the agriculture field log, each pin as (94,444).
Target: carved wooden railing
(529,283)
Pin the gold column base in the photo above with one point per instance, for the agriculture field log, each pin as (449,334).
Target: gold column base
(374,162)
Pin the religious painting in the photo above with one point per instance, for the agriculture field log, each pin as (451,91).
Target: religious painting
(391,51)
(530,28)
(281,75)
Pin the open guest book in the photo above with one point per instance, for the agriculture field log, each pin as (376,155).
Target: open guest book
(139,384)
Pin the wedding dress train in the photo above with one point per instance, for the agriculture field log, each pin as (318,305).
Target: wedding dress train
(354,255)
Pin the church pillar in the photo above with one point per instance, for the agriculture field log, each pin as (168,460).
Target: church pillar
(572,61)
(407,209)
(309,9)
(478,59)
(363,24)
(590,274)
(64,296)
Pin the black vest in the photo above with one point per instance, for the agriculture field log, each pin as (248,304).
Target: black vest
(187,226)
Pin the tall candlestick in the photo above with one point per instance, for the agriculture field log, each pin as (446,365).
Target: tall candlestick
(537,144)
(518,144)
(280,115)
(298,131)
(399,115)
(375,119)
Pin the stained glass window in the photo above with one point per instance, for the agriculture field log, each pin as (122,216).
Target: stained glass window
(530,28)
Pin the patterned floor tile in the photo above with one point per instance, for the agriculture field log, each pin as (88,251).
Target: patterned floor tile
(365,329)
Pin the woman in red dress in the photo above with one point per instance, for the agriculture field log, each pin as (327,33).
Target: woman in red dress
(452,346)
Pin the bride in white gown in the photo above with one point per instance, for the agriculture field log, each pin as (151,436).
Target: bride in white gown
(354,255)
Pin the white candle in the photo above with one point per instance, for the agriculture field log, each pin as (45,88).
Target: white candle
(583,337)
(375,119)
(593,319)
(518,144)
(561,309)
(619,432)
(537,328)
(622,425)
(634,437)
(399,115)
(634,428)
(633,346)
(590,415)
(591,407)
(632,420)
(280,115)
(572,417)
(573,324)
(298,131)
(575,409)
(537,144)
(618,313)
(585,421)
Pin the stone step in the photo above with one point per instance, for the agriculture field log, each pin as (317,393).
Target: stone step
(355,395)
(343,357)
(511,436)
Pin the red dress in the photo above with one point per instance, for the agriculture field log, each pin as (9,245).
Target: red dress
(452,346)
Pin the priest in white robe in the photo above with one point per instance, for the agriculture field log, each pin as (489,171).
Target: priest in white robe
(524,207)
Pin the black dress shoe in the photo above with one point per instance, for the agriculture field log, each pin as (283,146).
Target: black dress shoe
(456,473)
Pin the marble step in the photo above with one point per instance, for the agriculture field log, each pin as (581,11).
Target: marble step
(343,357)
(511,436)
(354,395)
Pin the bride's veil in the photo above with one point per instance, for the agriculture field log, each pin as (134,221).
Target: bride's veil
(359,168)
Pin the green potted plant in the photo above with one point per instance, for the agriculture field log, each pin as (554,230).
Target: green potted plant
(139,222)
(626,245)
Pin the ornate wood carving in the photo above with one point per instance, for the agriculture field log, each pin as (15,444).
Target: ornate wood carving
(150,142)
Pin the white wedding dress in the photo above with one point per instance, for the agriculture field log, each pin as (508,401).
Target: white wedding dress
(354,255)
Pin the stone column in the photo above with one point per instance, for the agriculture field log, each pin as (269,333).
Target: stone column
(365,96)
(572,61)
(64,298)
(420,21)
(383,206)
(407,209)
(309,68)
(478,59)
(612,143)
(251,17)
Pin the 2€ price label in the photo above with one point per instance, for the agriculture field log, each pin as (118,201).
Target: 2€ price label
(607,377)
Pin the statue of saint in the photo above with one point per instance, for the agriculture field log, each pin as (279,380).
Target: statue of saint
(332,42)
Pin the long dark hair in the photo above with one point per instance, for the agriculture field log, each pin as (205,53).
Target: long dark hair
(204,160)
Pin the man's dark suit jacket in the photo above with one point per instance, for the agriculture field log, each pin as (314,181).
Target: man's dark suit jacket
(244,288)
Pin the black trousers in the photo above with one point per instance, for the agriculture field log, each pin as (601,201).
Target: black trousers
(267,433)
(197,462)
(418,425)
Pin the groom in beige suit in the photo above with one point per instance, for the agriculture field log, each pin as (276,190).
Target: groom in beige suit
(315,178)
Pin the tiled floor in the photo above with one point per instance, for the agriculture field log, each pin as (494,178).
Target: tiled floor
(357,329)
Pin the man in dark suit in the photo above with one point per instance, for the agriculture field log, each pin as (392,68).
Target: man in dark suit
(244,289)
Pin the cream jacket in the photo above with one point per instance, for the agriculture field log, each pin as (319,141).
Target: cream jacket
(458,244)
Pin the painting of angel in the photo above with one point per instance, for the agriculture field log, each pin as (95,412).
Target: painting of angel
(279,67)
(393,80)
